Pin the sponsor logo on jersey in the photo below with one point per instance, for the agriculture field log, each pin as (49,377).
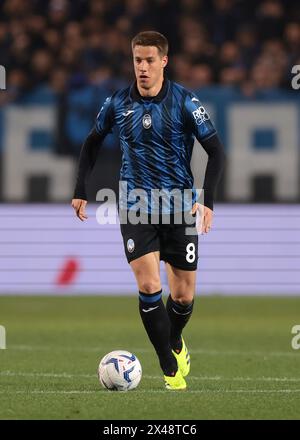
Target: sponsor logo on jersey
(200,115)
(128,112)
(147,121)
(130,245)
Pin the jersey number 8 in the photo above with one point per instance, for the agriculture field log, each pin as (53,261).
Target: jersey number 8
(190,253)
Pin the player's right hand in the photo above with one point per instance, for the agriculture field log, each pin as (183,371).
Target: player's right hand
(79,207)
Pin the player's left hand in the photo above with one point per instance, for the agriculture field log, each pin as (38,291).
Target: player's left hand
(204,218)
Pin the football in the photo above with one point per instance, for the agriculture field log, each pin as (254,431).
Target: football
(119,370)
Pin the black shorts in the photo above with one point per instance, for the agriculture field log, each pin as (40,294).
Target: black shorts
(175,246)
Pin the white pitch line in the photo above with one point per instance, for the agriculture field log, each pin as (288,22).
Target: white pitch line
(53,375)
(145,350)
(107,392)
(65,375)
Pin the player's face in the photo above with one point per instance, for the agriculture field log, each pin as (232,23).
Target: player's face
(148,66)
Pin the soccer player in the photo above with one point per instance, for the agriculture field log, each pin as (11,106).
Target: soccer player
(158,120)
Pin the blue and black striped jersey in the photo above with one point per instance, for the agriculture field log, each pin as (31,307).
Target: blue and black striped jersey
(156,135)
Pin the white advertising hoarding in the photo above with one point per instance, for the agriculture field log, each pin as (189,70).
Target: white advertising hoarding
(45,249)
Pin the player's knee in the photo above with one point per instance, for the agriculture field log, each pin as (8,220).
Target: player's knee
(150,286)
(184,299)
(184,294)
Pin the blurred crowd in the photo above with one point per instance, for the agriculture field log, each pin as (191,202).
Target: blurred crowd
(64,44)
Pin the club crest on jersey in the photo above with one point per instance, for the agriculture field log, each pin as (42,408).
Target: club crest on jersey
(130,245)
(147,121)
(200,115)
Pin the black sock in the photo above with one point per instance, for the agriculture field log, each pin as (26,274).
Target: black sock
(157,325)
(179,314)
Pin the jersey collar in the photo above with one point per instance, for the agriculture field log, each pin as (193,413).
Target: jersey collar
(135,95)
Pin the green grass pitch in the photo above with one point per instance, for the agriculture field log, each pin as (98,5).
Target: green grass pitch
(242,362)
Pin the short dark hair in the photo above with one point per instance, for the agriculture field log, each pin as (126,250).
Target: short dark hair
(151,38)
